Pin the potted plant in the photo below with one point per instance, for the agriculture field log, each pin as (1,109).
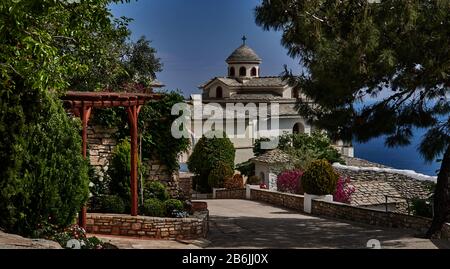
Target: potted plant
(318,182)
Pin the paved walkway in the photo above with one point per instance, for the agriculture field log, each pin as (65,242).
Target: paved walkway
(250,224)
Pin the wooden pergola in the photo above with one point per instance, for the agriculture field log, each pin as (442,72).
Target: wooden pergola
(81,104)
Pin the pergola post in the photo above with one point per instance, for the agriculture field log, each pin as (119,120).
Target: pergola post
(133,112)
(85,113)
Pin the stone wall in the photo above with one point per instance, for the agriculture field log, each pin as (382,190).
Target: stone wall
(101,143)
(185,184)
(229,194)
(149,227)
(292,201)
(369,216)
(159,172)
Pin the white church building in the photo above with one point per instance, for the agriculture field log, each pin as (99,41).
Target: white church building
(244,85)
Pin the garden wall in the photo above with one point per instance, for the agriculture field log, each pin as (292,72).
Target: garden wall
(341,211)
(229,194)
(292,201)
(369,216)
(193,227)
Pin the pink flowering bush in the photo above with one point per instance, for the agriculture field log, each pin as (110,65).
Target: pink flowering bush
(344,190)
(289,181)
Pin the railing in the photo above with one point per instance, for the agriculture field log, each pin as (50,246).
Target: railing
(408,201)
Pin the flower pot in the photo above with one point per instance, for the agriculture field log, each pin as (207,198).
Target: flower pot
(307,201)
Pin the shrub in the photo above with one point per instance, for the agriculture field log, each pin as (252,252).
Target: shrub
(119,170)
(75,232)
(157,190)
(172,206)
(219,174)
(344,190)
(319,178)
(112,204)
(253,180)
(207,153)
(289,181)
(235,182)
(153,207)
(43,176)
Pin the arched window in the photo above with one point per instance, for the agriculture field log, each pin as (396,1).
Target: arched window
(231,72)
(253,72)
(298,128)
(219,93)
(242,72)
(295,93)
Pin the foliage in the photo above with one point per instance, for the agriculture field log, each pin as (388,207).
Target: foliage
(344,190)
(319,178)
(208,152)
(43,177)
(290,181)
(246,168)
(75,232)
(119,170)
(234,182)
(219,175)
(153,207)
(253,180)
(389,53)
(257,150)
(112,204)
(155,122)
(423,208)
(173,207)
(45,47)
(157,190)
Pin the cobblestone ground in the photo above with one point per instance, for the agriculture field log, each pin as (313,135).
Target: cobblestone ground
(250,224)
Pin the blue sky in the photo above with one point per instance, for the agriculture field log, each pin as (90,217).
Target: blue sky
(194,37)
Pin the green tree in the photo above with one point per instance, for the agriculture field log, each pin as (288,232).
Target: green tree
(44,47)
(394,51)
(208,152)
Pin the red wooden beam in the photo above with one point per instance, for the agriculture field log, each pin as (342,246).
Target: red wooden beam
(132,117)
(85,113)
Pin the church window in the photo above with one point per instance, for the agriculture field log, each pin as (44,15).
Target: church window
(232,74)
(219,92)
(253,72)
(242,71)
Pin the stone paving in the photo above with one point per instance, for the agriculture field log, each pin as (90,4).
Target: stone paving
(251,224)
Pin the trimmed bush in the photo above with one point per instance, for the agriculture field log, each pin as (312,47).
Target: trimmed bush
(157,190)
(289,181)
(173,206)
(344,191)
(219,174)
(235,182)
(253,180)
(112,204)
(207,153)
(153,207)
(319,178)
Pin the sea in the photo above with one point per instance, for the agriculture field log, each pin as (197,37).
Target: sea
(405,157)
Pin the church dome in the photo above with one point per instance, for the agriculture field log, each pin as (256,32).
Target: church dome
(243,54)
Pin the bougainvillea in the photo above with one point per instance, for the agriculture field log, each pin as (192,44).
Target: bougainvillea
(344,190)
(289,181)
